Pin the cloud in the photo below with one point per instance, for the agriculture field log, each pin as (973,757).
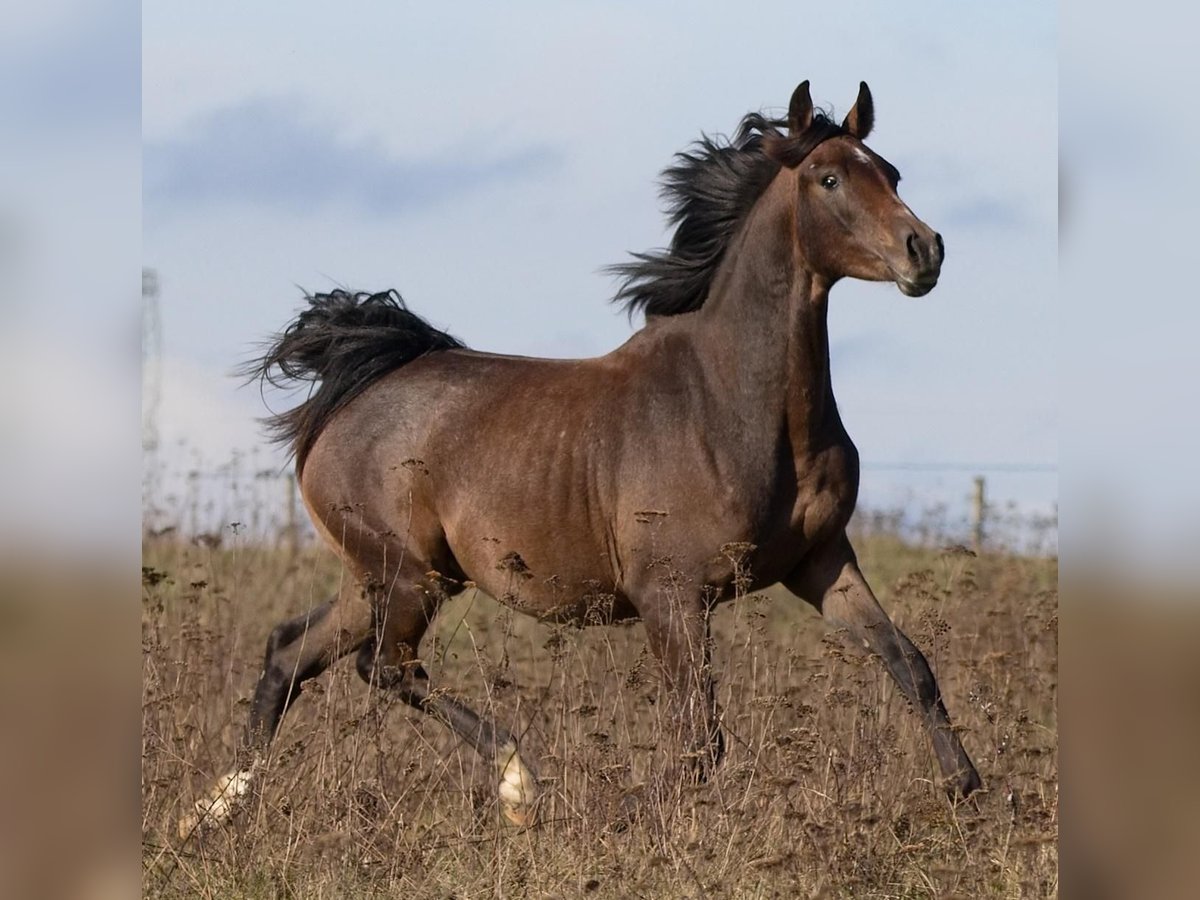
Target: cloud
(271,153)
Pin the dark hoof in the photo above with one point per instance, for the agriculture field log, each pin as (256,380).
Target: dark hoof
(963,784)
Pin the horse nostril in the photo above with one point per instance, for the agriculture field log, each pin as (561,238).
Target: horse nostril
(913,253)
(941,246)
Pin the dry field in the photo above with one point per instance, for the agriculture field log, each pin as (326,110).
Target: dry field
(828,788)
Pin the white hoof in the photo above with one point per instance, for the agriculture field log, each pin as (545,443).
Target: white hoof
(518,787)
(221,803)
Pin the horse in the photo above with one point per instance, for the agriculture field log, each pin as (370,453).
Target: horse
(426,465)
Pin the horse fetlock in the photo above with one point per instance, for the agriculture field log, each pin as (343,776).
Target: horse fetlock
(219,806)
(518,787)
(963,783)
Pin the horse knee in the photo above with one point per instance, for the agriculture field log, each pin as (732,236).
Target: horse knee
(281,635)
(286,664)
(286,633)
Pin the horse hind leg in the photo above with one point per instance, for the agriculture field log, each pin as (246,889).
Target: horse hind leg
(389,659)
(297,650)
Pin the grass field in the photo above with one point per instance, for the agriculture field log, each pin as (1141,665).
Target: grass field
(828,788)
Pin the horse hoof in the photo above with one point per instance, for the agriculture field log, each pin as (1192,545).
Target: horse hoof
(518,788)
(219,806)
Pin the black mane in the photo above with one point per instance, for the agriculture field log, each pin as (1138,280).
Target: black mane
(708,192)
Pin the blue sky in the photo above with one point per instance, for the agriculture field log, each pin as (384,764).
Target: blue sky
(489,162)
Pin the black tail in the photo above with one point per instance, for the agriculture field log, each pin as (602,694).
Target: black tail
(346,342)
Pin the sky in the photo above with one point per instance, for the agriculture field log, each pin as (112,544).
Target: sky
(488,161)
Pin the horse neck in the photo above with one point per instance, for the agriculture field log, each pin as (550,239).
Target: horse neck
(765,325)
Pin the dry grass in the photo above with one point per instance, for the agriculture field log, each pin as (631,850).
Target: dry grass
(828,787)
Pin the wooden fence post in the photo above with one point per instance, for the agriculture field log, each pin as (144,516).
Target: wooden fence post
(978,511)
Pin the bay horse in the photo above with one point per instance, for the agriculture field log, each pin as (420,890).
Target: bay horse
(425,464)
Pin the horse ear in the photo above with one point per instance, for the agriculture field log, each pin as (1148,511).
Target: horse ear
(861,117)
(800,110)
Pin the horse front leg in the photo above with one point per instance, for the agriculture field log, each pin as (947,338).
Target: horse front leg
(677,630)
(832,582)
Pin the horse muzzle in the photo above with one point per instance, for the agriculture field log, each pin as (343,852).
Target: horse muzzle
(925,251)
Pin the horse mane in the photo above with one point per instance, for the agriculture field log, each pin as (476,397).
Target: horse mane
(708,192)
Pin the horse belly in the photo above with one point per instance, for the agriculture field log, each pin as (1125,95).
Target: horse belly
(559,576)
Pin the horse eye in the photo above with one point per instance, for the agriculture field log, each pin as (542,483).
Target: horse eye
(829,182)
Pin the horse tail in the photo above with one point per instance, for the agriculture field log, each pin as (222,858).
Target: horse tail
(340,345)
